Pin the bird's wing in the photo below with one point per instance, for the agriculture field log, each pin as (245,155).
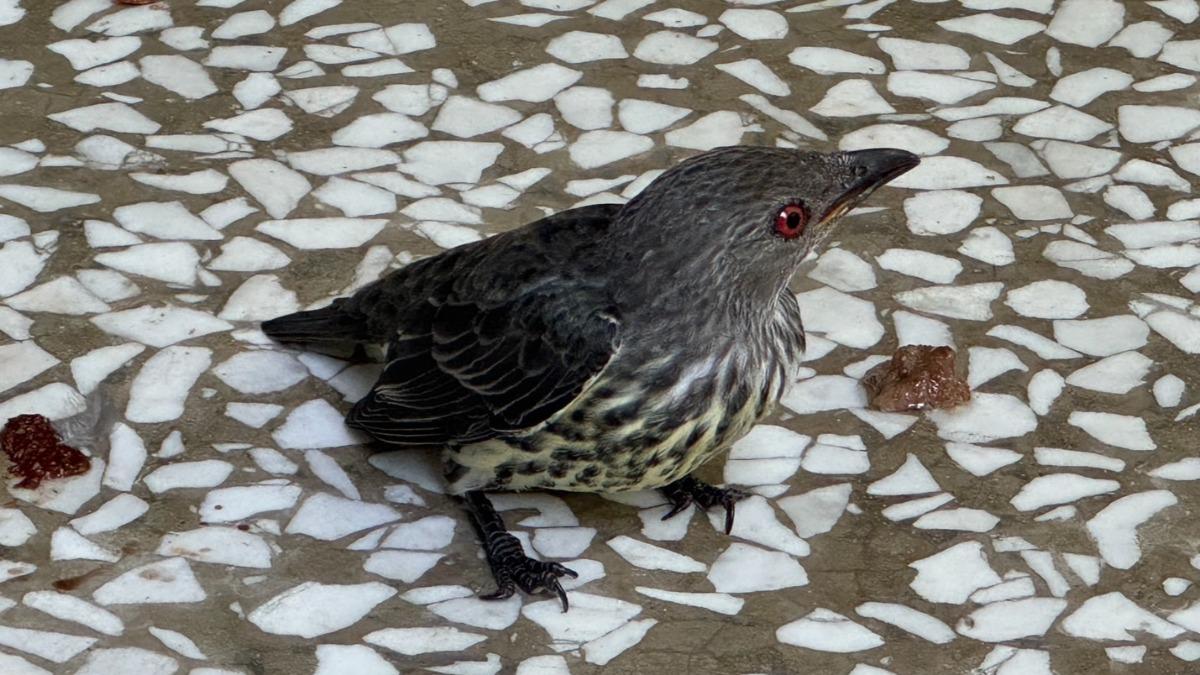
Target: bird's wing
(486,368)
(488,338)
(528,358)
(416,403)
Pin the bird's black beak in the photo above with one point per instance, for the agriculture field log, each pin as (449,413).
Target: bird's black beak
(869,169)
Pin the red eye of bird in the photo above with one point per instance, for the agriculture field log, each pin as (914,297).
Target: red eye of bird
(790,222)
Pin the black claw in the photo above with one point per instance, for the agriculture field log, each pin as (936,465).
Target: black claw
(511,568)
(684,501)
(531,576)
(562,595)
(727,498)
(687,490)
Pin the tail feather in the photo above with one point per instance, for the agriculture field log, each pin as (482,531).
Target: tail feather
(325,325)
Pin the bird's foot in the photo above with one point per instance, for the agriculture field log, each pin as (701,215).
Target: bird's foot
(510,566)
(687,491)
(513,569)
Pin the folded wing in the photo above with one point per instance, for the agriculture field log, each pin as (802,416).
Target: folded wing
(486,368)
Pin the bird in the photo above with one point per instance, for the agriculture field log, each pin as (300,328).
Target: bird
(605,348)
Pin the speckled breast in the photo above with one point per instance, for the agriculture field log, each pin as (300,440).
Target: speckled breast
(634,428)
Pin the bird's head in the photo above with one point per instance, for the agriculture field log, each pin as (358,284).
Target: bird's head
(745,216)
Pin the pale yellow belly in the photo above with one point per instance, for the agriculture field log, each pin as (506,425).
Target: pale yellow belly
(588,458)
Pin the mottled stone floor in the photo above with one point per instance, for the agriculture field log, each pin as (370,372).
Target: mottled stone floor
(172,173)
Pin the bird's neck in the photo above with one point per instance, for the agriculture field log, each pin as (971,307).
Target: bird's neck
(712,294)
(703,282)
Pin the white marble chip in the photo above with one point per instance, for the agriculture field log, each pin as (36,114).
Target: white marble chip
(1034,202)
(160,389)
(1117,374)
(912,478)
(536,84)
(936,87)
(178,74)
(413,641)
(648,556)
(743,568)
(1074,160)
(607,647)
(479,613)
(1060,488)
(829,60)
(953,574)
(441,162)
(313,609)
(1114,529)
(668,47)
(756,522)
(908,619)
(1122,431)
(245,57)
(1078,458)
(117,117)
(717,602)
(1086,22)
(1150,123)
(852,98)
(827,631)
(84,54)
(840,317)
(993,27)
(324,516)
(46,199)
(405,566)
(347,659)
(1102,336)
(178,643)
(260,372)
(914,139)
(226,505)
(583,46)
(1112,616)
(591,617)
(947,172)
(1083,87)
(1011,619)
(816,511)
(166,581)
(426,534)
(597,148)
(1062,123)
(66,544)
(916,55)
(75,610)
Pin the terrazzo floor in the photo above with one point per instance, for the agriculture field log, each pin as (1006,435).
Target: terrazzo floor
(174,172)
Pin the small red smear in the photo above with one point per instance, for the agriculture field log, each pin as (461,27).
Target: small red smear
(37,454)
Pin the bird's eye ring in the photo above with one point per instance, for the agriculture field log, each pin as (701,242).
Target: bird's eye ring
(790,221)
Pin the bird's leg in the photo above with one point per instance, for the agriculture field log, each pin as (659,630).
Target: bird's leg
(687,490)
(511,568)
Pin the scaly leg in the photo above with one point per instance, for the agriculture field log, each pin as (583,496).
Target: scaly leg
(687,490)
(511,568)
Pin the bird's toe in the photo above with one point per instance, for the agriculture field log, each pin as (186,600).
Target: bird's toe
(534,577)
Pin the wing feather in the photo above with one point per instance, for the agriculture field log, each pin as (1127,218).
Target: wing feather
(476,362)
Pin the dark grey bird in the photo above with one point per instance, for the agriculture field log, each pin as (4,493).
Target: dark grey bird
(605,348)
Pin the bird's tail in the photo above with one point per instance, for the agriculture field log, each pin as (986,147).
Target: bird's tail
(327,325)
